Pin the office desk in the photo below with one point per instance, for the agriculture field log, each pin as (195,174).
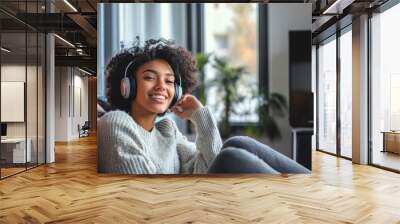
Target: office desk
(391,141)
(13,150)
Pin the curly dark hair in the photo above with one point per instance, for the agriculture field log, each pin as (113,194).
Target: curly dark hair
(180,60)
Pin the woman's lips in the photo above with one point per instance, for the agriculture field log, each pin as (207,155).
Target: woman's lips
(158,98)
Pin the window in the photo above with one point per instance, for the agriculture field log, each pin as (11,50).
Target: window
(233,37)
(394,101)
(346,94)
(327,96)
(385,85)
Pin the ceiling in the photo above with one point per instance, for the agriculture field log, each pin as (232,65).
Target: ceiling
(330,15)
(76,22)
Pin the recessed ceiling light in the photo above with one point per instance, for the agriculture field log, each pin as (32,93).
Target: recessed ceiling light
(5,50)
(84,71)
(70,5)
(337,7)
(65,41)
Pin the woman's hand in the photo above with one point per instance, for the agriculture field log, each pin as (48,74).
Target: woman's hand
(186,106)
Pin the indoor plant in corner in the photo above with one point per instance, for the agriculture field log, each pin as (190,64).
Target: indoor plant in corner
(270,107)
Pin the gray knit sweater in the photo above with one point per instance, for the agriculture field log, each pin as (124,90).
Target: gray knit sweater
(127,148)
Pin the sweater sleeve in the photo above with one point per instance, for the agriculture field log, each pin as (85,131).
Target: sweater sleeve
(197,157)
(119,147)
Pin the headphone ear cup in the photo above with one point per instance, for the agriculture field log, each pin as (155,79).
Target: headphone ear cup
(125,87)
(128,88)
(132,92)
(180,93)
(177,95)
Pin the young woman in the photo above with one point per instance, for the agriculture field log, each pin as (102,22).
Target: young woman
(144,83)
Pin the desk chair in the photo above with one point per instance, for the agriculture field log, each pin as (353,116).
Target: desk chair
(84,130)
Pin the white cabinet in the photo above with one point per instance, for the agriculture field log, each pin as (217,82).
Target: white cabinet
(15,148)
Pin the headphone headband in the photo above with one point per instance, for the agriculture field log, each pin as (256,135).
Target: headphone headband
(179,78)
(127,67)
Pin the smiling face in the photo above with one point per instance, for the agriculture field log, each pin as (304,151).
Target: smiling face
(155,87)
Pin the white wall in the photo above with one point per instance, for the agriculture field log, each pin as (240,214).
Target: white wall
(61,96)
(70,84)
(282,18)
(16,72)
(79,117)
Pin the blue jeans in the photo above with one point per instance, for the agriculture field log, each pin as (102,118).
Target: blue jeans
(241,154)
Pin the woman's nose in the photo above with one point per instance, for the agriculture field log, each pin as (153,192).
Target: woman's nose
(161,85)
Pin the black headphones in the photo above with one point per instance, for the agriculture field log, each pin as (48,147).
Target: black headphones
(128,86)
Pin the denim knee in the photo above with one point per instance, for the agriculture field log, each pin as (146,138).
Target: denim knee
(228,154)
(235,141)
(237,160)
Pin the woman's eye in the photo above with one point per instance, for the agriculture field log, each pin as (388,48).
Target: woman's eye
(148,77)
(170,81)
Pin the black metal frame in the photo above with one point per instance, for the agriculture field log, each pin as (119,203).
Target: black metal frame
(0,89)
(338,98)
(194,36)
(369,115)
(263,80)
(316,97)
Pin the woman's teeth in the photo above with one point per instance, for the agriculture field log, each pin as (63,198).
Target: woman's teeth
(158,98)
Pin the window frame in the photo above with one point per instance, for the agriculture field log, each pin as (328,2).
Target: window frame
(332,37)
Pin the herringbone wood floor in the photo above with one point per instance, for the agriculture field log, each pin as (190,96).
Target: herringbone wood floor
(70,191)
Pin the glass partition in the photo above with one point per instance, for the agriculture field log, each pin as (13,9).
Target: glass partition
(13,105)
(22,90)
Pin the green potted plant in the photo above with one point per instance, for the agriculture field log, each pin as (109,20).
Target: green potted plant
(226,80)
(270,107)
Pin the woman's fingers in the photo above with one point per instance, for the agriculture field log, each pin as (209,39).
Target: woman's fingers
(179,109)
(186,106)
(182,99)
